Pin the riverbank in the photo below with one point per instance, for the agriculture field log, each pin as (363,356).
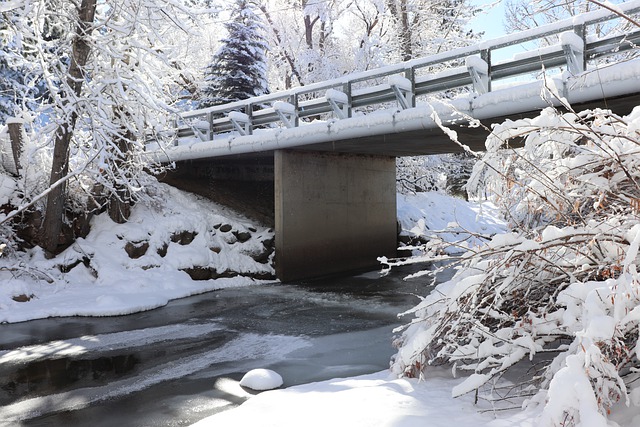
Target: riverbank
(179,245)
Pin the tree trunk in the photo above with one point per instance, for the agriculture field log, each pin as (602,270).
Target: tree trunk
(54,213)
(119,207)
(400,11)
(407,36)
(15,136)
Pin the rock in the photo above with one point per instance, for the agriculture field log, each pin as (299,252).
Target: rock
(261,379)
(261,275)
(136,249)
(242,236)
(23,298)
(162,250)
(201,273)
(183,237)
(260,255)
(229,238)
(225,228)
(207,273)
(270,244)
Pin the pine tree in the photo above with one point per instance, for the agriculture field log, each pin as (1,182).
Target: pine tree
(239,69)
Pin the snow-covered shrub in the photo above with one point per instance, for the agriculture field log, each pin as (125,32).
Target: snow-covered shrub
(563,288)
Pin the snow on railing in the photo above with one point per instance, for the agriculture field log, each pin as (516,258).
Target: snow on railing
(402,83)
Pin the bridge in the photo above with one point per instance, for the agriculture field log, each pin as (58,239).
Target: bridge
(326,152)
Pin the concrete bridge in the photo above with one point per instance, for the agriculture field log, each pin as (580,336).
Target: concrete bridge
(322,156)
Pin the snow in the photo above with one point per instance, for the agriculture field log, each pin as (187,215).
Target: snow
(261,379)
(400,82)
(431,214)
(103,342)
(477,63)
(239,117)
(569,38)
(378,399)
(336,95)
(272,347)
(114,283)
(285,107)
(9,5)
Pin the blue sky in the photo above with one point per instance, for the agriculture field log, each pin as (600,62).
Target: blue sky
(492,20)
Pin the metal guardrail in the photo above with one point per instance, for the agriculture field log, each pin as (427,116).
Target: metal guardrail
(403,82)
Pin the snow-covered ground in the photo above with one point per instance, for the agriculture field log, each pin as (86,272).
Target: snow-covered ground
(141,265)
(382,400)
(113,282)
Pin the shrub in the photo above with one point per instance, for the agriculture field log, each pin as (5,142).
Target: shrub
(562,289)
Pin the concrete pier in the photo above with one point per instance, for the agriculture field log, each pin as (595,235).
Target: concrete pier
(333,212)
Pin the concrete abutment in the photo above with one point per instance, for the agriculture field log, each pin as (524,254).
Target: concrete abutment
(333,212)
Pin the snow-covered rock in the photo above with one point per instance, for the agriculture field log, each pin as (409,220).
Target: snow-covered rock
(261,379)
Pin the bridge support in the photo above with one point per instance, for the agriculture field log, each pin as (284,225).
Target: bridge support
(333,212)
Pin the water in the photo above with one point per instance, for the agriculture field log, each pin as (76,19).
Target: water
(181,363)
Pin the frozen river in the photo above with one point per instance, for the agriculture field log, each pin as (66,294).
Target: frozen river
(175,365)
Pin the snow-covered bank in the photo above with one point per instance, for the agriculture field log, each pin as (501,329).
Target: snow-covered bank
(424,216)
(125,268)
(177,246)
(381,400)
(378,400)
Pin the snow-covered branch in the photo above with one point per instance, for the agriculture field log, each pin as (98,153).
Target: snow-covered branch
(566,281)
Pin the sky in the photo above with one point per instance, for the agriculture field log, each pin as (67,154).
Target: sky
(491,20)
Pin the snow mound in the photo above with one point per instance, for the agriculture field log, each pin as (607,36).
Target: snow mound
(261,379)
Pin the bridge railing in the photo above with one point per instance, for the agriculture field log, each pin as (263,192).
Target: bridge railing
(401,83)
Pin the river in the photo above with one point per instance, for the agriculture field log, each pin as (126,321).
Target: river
(180,363)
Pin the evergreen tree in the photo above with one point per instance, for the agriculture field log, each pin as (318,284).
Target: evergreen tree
(239,69)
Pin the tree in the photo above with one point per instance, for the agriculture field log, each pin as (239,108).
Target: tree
(445,20)
(111,80)
(316,40)
(525,14)
(446,173)
(561,291)
(21,86)
(81,48)
(239,69)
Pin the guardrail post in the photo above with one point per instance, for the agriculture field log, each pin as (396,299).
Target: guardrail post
(210,120)
(479,71)
(573,46)
(347,90)
(410,74)
(293,100)
(248,110)
(485,55)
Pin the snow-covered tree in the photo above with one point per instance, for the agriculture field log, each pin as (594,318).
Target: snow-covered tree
(316,40)
(239,69)
(525,14)
(444,20)
(21,85)
(110,75)
(446,173)
(561,293)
